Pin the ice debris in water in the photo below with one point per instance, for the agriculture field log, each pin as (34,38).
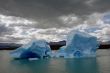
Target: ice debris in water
(34,49)
(79,44)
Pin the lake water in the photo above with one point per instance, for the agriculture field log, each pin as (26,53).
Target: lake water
(100,64)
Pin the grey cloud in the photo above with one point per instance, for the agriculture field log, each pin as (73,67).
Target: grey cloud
(48,11)
(5,30)
(53,32)
(101,5)
(14,38)
(53,8)
(9,39)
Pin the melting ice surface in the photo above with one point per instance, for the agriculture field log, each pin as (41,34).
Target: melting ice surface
(34,49)
(79,44)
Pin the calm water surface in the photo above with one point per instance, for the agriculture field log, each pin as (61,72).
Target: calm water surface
(100,64)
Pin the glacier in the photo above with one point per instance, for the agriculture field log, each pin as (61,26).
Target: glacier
(34,49)
(79,44)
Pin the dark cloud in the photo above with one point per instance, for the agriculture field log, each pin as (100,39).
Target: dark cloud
(47,11)
(44,8)
(10,39)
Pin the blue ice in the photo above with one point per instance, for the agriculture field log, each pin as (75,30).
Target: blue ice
(34,49)
(79,44)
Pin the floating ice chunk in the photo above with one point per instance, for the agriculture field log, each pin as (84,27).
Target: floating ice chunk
(34,49)
(79,44)
(31,59)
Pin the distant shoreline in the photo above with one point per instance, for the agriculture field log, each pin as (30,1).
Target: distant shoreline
(53,45)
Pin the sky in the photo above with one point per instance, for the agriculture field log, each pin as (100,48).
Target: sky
(52,20)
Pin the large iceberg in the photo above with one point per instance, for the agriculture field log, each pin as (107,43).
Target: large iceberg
(79,44)
(34,49)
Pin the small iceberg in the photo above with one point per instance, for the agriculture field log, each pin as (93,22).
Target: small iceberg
(34,49)
(79,44)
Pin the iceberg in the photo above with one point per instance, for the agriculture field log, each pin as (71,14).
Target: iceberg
(61,52)
(34,49)
(79,44)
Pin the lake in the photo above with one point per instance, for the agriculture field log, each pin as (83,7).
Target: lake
(100,64)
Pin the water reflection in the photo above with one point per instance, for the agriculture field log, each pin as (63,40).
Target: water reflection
(26,66)
(83,65)
(57,65)
(100,64)
(60,65)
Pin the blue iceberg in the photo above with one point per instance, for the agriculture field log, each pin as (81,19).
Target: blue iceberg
(79,44)
(34,49)
(61,53)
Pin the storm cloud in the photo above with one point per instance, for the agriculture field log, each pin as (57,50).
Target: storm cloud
(22,20)
(54,8)
(48,11)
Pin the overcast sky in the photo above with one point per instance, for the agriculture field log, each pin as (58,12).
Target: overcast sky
(23,20)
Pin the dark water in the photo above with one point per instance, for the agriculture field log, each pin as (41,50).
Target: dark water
(100,64)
